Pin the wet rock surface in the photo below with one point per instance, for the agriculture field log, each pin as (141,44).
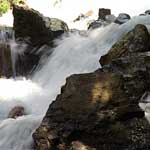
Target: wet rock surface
(6,35)
(137,40)
(35,30)
(104,19)
(16,112)
(122,18)
(100,110)
(6,69)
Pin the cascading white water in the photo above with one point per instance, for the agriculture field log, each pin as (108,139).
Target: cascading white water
(74,54)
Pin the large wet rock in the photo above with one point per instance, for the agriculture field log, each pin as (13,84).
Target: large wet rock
(137,40)
(30,24)
(39,30)
(97,24)
(94,110)
(100,110)
(35,30)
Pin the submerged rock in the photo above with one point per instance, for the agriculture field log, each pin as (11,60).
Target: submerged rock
(16,112)
(122,18)
(137,40)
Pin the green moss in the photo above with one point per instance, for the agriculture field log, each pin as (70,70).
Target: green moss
(6,4)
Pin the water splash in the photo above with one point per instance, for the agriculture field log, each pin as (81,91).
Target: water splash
(74,53)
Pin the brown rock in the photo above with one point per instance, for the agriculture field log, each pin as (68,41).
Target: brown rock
(16,112)
(100,110)
(137,40)
(37,31)
(103,12)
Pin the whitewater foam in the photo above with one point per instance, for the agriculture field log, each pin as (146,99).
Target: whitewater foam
(74,54)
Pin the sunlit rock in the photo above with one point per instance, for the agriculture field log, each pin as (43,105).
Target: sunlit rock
(100,110)
(92,105)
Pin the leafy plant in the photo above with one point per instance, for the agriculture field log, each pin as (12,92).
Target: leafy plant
(6,4)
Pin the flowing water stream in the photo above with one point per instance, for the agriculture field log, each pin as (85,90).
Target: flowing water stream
(74,54)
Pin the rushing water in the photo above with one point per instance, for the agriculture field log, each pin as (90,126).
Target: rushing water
(74,54)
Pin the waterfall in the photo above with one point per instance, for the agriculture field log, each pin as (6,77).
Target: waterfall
(6,34)
(73,54)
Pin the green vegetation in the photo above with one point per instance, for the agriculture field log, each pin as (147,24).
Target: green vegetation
(5,5)
(56,2)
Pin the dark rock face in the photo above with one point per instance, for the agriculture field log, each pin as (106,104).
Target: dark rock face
(147,12)
(5,52)
(30,24)
(5,61)
(122,18)
(16,112)
(35,30)
(103,12)
(137,40)
(99,110)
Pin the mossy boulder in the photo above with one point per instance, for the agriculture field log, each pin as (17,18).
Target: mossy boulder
(5,61)
(137,40)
